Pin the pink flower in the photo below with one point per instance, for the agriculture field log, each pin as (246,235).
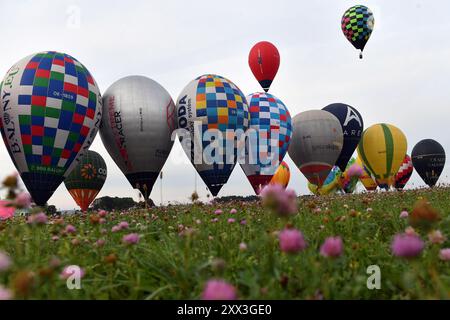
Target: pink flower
(75,241)
(436,237)
(282,201)
(217,289)
(231,220)
(131,238)
(38,218)
(291,241)
(123,225)
(332,247)
(102,221)
(233,211)
(218,211)
(6,210)
(103,231)
(115,229)
(444,254)
(102,213)
(5,294)
(71,270)
(55,238)
(23,200)
(100,243)
(71,229)
(410,230)
(5,261)
(243,222)
(214,220)
(243,246)
(404,214)
(407,245)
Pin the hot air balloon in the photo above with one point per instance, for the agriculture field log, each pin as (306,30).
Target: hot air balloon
(428,158)
(357,25)
(382,149)
(282,175)
(211,112)
(268,138)
(316,144)
(349,178)
(264,61)
(352,128)
(330,185)
(87,179)
(138,120)
(404,173)
(51,110)
(366,179)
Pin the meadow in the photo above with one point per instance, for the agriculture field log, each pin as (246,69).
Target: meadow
(172,252)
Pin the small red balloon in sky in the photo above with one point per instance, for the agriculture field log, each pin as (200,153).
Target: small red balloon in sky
(264,60)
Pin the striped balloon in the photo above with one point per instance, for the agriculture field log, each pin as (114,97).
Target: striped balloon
(382,149)
(404,173)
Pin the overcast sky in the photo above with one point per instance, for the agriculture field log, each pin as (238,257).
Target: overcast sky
(403,78)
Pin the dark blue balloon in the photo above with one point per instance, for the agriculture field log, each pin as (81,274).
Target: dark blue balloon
(352,127)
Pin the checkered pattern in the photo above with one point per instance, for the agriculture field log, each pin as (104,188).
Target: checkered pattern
(57,100)
(269,115)
(357,25)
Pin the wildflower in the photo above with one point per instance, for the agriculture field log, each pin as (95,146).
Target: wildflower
(214,220)
(218,212)
(291,241)
(131,238)
(354,171)
(23,200)
(282,201)
(423,215)
(38,218)
(332,247)
(75,241)
(100,243)
(115,229)
(102,213)
(233,211)
(436,237)
(70,229)
(5,294)
(242,246)
(102,221)
(404,214)
(407,245)
(243,222)
(71,270)
(198,221)
(411,231)
(123,225)
(444,254)
(217,289)
(55,238)
(5,261)
(231,220)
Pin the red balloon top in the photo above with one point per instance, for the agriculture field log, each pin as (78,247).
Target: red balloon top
(264,60)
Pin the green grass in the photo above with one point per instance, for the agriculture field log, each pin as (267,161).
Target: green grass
(166,265)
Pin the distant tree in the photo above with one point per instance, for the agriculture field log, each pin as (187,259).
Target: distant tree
(116,203)
(51,210)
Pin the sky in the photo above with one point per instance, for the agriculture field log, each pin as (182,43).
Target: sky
(402,80)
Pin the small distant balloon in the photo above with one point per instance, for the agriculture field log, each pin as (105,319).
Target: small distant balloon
(330,185)
(264,61)
(87,179)
(404,173)
(366,178)
(428,158)
(282,175)
(357,25)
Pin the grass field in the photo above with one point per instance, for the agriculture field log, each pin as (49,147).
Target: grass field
(181,247)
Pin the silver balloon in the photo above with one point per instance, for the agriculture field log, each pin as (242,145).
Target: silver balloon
(316,143)
(138,120)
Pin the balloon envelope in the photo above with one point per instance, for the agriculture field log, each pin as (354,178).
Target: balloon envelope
(268,138)
(382,149)
(352,128)
(316,144)
(51,110)
(282,175)
(211,111)
(404,173)
(428,158)
(138,120)
(330,185)
(87,179)
(366,178)
(264,61)
(357,25)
